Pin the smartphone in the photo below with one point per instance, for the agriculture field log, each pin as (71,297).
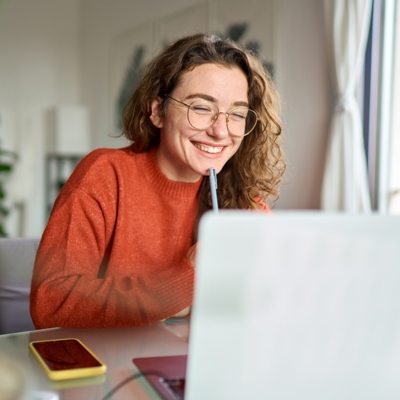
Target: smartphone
(66,359)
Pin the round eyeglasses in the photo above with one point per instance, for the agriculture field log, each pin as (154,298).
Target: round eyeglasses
(203,114)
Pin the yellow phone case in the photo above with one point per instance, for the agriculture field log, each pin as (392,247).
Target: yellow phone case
(68,373)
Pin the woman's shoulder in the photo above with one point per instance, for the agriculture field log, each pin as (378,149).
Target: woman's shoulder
(103,166)
(108,155)
(108,160)
(262,205)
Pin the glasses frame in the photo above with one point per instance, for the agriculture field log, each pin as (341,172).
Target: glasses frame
(215,117)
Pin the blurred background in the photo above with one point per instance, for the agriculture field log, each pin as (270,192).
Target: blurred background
(67,68)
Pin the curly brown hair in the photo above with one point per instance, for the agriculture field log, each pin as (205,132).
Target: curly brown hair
(254,172)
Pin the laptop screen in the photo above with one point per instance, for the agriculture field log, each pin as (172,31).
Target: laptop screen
(296,305)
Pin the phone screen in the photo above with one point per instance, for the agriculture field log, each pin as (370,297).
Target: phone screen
(65,354)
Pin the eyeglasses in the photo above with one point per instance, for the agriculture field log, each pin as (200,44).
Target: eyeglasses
(203,114)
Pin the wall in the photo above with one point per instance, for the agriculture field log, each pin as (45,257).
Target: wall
(61,52)
(303,81)
(39,68)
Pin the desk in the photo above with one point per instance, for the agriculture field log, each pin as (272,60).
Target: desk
(116,347)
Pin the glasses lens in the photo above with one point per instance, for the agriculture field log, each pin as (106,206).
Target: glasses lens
(241,121)
(201,114)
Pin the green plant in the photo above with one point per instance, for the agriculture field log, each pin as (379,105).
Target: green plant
(7,160)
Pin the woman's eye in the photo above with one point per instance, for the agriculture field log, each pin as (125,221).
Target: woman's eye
(202,109)
(238,116)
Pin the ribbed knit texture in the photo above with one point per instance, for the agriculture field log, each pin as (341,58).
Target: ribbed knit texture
(121,198)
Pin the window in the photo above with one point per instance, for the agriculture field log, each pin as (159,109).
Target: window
(394,180)
(379,122)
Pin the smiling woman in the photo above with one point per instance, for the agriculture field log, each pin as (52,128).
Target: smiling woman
(255,170)
(121,238)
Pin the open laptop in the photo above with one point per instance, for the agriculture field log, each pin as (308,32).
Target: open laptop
(299,305)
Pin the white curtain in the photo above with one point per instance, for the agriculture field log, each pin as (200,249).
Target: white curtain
(345,184)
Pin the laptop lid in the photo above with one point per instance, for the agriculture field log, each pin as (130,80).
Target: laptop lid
(299,305)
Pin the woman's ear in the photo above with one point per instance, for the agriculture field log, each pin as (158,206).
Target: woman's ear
(156,116)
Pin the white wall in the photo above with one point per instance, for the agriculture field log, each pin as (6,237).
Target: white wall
(39,68)
(303,81)
(56,52)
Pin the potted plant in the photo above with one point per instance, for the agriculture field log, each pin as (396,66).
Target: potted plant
(7,160)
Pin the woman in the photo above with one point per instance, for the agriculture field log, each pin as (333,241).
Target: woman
(120,245)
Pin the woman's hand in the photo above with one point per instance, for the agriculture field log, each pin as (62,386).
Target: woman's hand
(184,313)
(192,253)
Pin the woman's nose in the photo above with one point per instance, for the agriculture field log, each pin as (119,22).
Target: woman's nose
(220,126)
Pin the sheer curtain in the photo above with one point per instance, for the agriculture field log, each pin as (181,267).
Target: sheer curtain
(345,182)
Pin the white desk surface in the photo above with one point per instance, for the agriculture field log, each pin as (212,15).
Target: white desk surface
(116,347)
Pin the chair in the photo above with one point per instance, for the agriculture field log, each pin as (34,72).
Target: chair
(17,257)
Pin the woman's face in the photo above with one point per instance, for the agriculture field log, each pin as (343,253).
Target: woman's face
(185,153)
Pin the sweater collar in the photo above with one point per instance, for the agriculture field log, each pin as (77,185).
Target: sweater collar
(180,190)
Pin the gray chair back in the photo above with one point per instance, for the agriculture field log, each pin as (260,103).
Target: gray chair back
(17,257)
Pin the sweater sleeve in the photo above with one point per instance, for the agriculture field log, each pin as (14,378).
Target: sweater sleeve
(69,288)
(263,205)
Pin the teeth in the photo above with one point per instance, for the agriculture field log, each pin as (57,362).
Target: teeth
(208,149)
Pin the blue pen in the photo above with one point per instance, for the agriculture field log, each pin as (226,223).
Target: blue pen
(213,187)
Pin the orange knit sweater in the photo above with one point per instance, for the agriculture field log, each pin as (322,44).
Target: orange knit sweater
(120,203)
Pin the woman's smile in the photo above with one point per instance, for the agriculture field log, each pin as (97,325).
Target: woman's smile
(208,149)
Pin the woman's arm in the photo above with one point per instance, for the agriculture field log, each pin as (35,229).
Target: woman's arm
(137,287)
